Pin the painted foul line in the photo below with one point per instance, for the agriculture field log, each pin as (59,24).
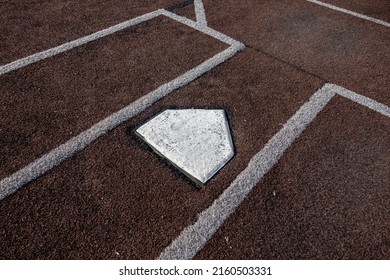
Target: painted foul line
(378,21)
(193,238)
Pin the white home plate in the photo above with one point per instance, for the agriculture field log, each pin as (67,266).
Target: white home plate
(196,141)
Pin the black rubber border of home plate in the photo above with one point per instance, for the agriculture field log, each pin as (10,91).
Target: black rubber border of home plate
(183,174)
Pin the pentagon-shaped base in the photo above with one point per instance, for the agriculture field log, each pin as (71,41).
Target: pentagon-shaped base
(197,141)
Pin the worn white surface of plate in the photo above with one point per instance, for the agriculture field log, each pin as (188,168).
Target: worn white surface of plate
(196,141)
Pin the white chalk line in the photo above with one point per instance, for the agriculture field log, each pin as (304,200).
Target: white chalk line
(378,21)
(193,238)
(200,13)
(58,155)
(76,43)
(205,29)
(363,100)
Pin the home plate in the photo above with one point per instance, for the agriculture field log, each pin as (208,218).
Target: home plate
(197,141)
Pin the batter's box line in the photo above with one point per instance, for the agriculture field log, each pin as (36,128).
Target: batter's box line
(58,155)
(342,10)
(193,238)
(200,13)
(20,63)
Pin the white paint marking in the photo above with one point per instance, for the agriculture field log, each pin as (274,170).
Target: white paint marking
(39,167)
(206,30)
(200,13)
(378,21)
(76,43)
(362,100)
(193,238)
(102,33)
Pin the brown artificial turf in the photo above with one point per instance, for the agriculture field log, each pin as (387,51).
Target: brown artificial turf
(27,27)
(340,48)
(47,103)
(117,199)
(327,198)
(379,9)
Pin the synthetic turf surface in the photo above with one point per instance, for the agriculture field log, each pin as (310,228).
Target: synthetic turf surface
(327,196)
(337,47)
